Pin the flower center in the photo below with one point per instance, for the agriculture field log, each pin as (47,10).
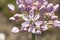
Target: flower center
(31,21)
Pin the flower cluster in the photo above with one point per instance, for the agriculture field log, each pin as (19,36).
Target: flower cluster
(37,15)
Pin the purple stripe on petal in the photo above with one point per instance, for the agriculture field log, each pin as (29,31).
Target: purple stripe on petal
(31,14)
(28,8)
(42,9)
(50,9)
(21,7)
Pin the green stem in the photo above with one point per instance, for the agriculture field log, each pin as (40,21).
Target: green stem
(33,36)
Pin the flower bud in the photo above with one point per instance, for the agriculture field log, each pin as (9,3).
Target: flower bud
(55,8)
(50,7)
(11,7)
(15,30)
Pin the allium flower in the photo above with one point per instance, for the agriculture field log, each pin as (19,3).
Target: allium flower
(32,24)
(37,15)
(31,19)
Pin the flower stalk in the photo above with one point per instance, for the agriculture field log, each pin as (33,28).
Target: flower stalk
(33,36)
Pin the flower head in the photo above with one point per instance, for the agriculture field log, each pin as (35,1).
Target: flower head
(36,15)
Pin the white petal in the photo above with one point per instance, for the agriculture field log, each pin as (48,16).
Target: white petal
(15,30)
(38,23)
(56,23)
(11,18)
(38,32)
(11,7)
(2,36)
(25,18)
(44,28)
(36,17)
(45,3)
(25,24)
(31,29)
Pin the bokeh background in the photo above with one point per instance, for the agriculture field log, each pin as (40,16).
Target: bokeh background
(6,25)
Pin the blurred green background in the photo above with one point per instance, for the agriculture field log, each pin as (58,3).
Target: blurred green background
(5,26)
